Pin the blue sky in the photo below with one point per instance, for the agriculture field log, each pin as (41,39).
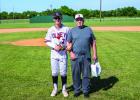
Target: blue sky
(41,5)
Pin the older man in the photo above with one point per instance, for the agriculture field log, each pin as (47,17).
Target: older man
(82,39)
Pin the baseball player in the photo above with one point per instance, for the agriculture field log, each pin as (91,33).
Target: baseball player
(56,40)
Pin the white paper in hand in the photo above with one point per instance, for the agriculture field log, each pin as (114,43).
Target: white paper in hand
(95,69)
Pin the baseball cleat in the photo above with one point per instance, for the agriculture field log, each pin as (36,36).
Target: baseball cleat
(65,93)
(54,93)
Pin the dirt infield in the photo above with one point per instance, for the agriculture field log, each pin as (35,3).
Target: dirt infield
(40,41)
(22,30)
(105,28)
(30,42)
(117,28)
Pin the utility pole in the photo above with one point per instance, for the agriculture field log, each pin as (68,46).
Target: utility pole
(51,7)
(0,12)
(100,10)
(13,15)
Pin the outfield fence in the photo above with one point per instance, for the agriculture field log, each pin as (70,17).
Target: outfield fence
(114,19)
(22,21)
(15,21)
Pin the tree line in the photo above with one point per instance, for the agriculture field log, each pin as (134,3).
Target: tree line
(88,13)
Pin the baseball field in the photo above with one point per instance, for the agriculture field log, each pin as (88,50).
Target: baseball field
(25,72)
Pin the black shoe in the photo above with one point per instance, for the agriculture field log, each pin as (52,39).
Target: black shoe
(86,95)
(76,94)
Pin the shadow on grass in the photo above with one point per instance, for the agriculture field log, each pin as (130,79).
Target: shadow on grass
(97,84)
(69,89)
(104,84)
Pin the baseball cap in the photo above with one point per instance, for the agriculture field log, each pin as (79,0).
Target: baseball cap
(79,16)
(57,14)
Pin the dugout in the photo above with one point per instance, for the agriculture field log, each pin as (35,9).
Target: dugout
(49,19)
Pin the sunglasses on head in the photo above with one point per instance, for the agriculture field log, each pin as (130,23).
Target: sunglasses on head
(79,19)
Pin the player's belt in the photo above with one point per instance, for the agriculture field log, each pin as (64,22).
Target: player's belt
(82,53)
(60,49)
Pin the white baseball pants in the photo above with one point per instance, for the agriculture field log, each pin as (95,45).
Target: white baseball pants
(59,65)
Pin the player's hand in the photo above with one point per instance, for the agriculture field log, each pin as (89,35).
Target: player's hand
(72,55)
(69,46)
(94,57)
(57,47)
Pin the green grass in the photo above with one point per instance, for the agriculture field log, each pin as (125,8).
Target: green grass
(19,36)
(15,21)
(90,22)
(25,72)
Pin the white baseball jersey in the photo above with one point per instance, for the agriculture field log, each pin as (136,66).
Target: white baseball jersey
(55,37)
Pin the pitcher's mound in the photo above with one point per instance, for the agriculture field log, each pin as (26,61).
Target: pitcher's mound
(30,42)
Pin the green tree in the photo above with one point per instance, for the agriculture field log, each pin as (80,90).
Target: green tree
(127,11)
(4,15)
(67,11)
(96,13)
(138,13)
(26,14)
(18,15)
(85,12)
(131,11)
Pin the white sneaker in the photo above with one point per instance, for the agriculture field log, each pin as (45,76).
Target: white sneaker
(54,93)
(65,93)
